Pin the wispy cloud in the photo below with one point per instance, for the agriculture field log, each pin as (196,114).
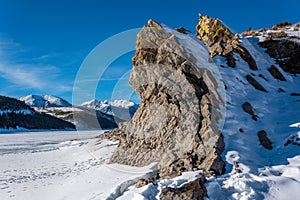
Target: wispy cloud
(31,76)
(36,76)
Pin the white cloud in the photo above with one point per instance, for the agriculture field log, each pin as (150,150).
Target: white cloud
(30,76)
(35,77)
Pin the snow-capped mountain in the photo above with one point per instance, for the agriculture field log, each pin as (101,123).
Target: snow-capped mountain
(122,109)
(45,101)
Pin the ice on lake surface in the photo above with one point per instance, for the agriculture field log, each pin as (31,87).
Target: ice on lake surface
(61,165)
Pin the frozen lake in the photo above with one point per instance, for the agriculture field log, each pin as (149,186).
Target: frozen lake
(61,165)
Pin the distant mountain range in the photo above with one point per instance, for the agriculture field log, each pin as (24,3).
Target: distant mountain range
(122,109)
(93,114)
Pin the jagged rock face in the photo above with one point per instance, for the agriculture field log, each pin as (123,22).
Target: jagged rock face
(221,41)
(174,124)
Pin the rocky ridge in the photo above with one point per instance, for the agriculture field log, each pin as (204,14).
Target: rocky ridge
(282,43)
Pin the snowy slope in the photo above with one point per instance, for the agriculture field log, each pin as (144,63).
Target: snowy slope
(45,101)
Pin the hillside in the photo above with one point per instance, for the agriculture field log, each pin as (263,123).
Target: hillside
(15,114)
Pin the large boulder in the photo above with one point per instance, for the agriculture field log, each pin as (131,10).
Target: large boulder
(176,124)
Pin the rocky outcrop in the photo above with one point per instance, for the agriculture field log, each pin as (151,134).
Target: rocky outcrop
(281,44)
(221,41)
(285,52)
(176,122)
(194,190)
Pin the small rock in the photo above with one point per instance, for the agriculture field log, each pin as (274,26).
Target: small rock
(254,117)
(276,73)
(262,76)
(143,182)
(230,60)
(182,30)
(255,84)
(264,140)
(247,107)
(295,94)
(236,167)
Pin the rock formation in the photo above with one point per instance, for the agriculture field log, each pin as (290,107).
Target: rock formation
(221,41)
(176,124)
(285,52)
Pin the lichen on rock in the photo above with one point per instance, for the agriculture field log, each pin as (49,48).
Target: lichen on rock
(221,41)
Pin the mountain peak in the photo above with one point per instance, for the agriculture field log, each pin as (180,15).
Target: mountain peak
(45,101)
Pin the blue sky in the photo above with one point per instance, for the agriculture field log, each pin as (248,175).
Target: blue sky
(44,42)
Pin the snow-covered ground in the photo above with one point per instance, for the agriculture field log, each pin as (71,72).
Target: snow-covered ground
(61,165)
(69,165)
